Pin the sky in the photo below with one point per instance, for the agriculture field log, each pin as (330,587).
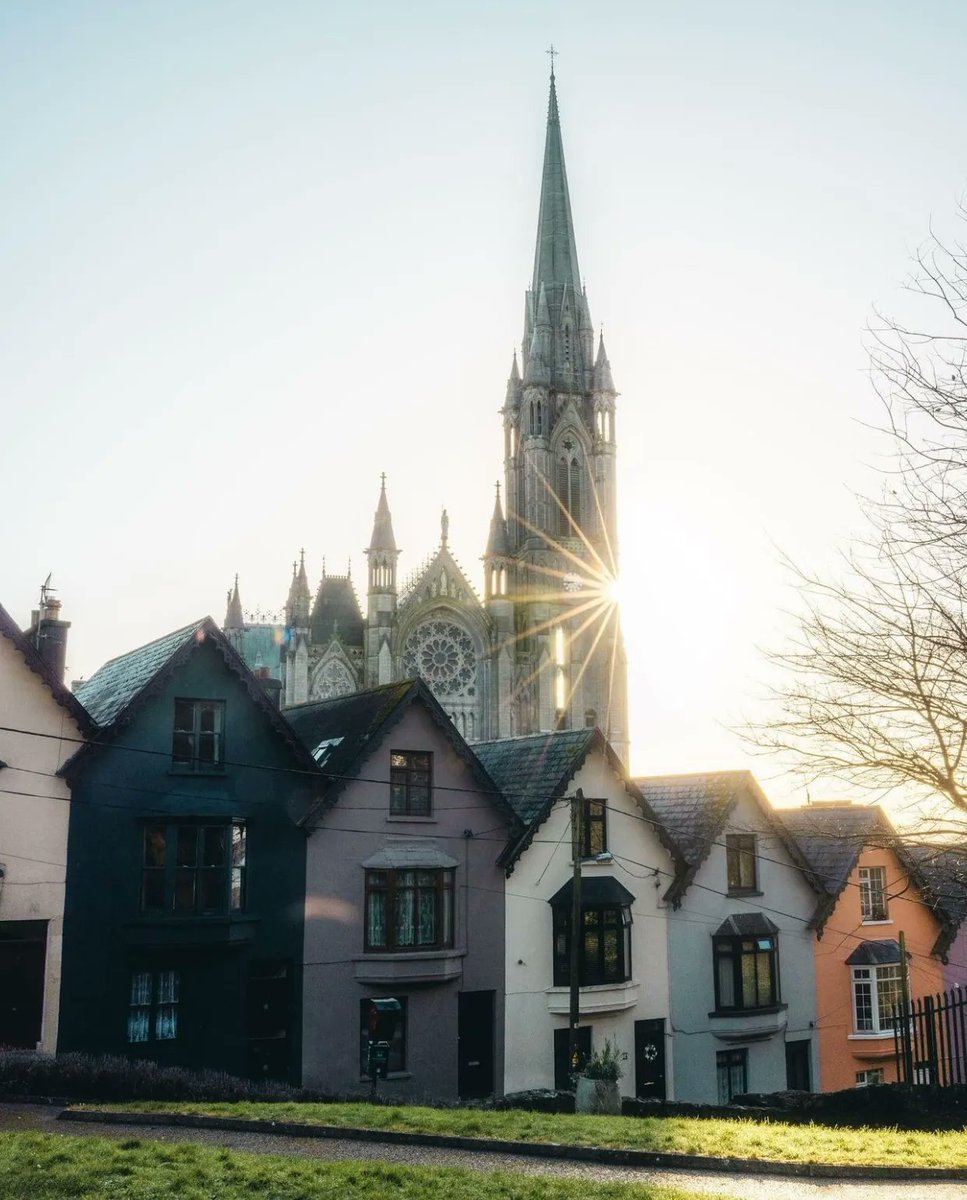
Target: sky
(255,254)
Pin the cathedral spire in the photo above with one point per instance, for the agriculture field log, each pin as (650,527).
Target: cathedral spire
(233,612)
(602,369)
(556,257)
(299,600)
(382,538)
(498,545)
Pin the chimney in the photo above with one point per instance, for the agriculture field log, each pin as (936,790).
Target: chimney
(48,632)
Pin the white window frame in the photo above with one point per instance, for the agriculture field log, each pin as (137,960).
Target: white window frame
(874,906)
(871,979)
(871,1077)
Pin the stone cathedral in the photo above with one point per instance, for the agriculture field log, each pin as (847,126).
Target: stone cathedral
(540,648)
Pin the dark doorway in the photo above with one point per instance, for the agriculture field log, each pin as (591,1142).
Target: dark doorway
(650,1059)
(562,1068)
(797,1066)
(269,998)
(475,1044)
(23,958)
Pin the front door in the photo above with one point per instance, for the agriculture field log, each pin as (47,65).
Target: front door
(563,1070)
(269,1000)
(23,956)
(650,1059)
(797,1066)
(475,1044)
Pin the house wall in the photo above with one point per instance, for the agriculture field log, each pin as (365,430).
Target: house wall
(107,937)
(535,1008)
(34,815)
(788,902)
(843,1052)
(466,825)
(955,968)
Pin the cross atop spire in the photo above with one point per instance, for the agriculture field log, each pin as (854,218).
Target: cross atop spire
(552,53)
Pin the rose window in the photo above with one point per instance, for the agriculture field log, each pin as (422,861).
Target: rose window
(442,655)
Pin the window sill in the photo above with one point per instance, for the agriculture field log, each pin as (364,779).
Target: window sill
(391,1077)
(414,819)
(405,966)
(195,772)
(748,1024)
(878,921)
(594,998)
(737,892)
(604,859)
(869,1037)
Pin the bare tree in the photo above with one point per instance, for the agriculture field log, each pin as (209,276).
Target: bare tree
(873,683)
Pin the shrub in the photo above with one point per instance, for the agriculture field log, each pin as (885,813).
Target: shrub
(86,1077)
(606,1063)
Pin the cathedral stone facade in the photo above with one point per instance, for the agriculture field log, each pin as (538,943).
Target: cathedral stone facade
(541,647)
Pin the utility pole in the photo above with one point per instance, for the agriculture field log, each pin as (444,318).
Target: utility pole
(905,1033)
(577,844)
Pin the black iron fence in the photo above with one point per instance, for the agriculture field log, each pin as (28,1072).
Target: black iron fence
(931,1039)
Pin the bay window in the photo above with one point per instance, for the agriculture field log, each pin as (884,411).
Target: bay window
(409,910)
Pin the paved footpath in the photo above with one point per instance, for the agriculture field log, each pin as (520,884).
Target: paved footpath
(24,1117)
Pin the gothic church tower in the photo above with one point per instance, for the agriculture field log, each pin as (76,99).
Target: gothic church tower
(558,552)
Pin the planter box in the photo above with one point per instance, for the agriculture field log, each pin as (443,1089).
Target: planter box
(597,1096)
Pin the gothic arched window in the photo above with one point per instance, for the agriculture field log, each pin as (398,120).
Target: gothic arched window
(569,489)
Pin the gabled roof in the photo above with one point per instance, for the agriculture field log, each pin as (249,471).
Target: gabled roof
(342,732)
(534,771)
(115,692)
(832,837)
(11,631)
(696,808)
(944,871)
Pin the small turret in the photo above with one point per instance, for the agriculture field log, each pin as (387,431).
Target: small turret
(299,601)
(233,611)
(513,384)
(382,552)
(602,370)
(381,601)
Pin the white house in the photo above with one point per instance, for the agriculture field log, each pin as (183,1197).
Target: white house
(627,862)
(41,725)
(740,950)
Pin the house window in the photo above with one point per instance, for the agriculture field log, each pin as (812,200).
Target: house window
(397,1043)
(594,829)
(870,1077)
(604,950)
(746,972)
(876,992)
(197,743)
(410,783)
(153,1006)
(732,1072)
(740,861)
(409,910)
(193,867)
(873,893)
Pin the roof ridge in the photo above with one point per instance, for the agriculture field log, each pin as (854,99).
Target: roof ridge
(154,642)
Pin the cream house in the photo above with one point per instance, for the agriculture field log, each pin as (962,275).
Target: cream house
(627,864)
(41,726)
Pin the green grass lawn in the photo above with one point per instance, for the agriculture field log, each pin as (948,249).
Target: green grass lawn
(737,1138)
(58,1167)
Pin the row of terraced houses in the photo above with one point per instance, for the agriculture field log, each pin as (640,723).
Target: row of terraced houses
(190,875)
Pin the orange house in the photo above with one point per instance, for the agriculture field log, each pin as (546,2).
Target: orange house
(874,892)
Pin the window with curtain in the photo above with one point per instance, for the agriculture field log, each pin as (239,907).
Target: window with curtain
(153,1006)
(746,972)
(409,910)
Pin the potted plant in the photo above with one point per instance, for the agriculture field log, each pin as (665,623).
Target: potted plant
(597,1083)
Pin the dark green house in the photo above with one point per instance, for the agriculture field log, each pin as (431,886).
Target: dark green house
(183,928)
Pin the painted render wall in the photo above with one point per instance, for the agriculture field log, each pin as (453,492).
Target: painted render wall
(842,1051)
(535,1008)
(35,814)
(789,902)
(338,974)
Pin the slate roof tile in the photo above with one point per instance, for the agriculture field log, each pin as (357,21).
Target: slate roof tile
(532,770)
(112,687)
(832,836)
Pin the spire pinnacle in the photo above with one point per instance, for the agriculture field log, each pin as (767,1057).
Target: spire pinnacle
(382,538)
(498,544)
(233,611)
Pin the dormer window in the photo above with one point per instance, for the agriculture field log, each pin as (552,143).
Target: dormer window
(873,906)
(197,742)
(410,783)
(740,858)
